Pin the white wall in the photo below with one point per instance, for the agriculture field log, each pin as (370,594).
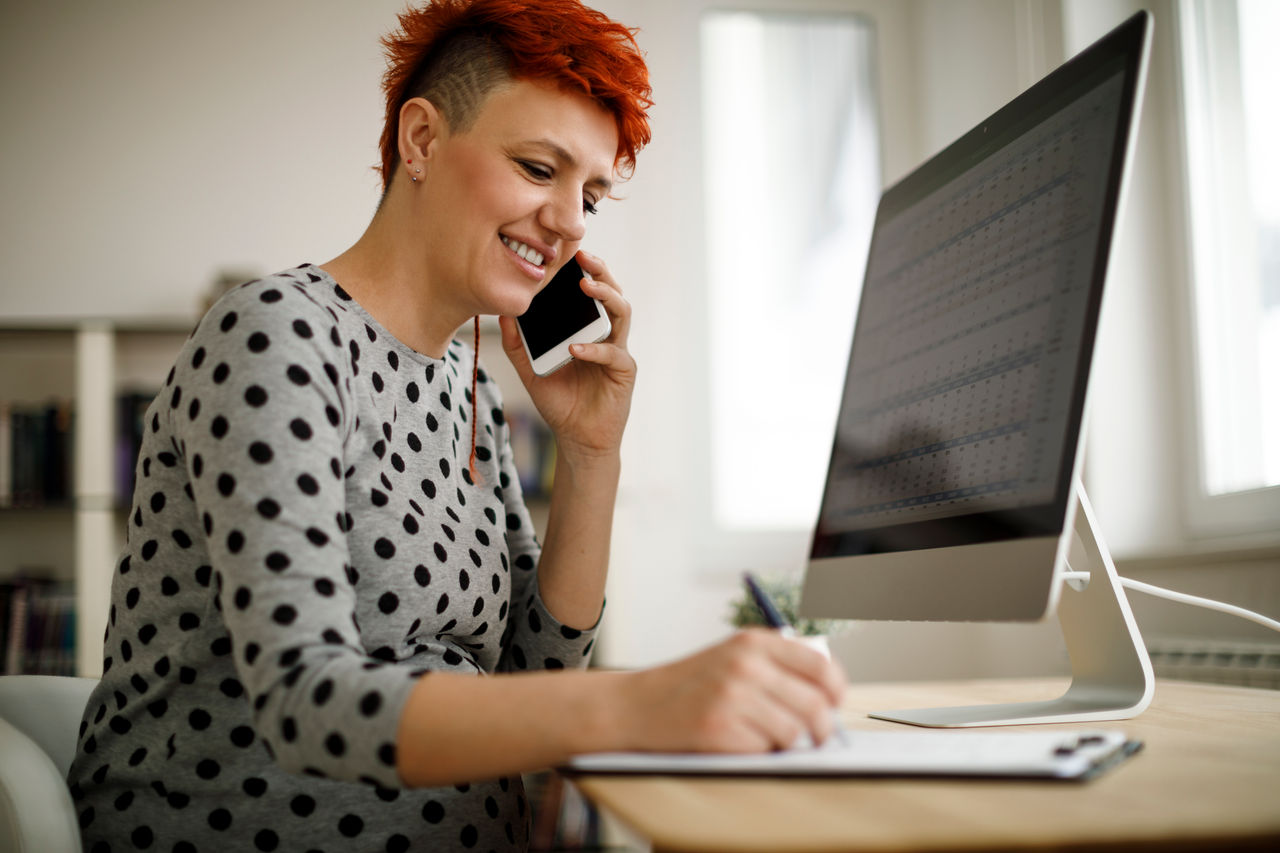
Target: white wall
(148,145)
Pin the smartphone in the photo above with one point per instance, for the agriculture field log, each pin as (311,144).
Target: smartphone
(560,315)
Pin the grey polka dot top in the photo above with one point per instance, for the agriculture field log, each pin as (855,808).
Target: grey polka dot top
(305,541)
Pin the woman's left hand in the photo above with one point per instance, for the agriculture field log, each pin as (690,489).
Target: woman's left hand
(586,402)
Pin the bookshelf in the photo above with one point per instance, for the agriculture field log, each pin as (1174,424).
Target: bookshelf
(62,502)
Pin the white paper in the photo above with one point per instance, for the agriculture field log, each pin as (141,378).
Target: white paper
(1021,753)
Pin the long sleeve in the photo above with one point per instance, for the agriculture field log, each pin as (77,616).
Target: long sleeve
(259,410)
(534,638)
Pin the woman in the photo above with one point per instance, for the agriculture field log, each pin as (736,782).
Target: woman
(328,542)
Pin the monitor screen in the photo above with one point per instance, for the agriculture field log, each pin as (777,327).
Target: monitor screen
(952,492)
(962,405)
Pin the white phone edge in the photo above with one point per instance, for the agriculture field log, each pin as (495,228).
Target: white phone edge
(558,356)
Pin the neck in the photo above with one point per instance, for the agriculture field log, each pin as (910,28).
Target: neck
(387,272)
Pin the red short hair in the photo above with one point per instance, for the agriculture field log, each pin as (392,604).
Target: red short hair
(447,50)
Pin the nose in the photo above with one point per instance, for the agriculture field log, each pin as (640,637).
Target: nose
(564,215)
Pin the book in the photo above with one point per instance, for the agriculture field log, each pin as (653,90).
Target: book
(38,442)
(37,627)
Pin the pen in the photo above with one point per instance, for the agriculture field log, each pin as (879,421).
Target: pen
(774,619)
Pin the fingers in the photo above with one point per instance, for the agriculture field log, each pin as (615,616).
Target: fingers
(803,681)
(607,355)
(514,349)
(778,691)
(600,284)
(596,268)
(810,657)
(753,692)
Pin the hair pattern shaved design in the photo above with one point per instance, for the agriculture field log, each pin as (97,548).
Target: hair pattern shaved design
(454,52)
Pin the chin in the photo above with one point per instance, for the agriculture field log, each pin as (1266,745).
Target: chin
(513,301)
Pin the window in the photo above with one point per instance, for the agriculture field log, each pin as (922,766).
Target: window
(792,176)
(1230,74)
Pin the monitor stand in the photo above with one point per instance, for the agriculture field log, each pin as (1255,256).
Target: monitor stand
(1111,676)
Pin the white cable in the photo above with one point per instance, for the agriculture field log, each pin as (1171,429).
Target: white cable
(1183,598)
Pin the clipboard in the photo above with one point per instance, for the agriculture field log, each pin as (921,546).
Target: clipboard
(1076,755)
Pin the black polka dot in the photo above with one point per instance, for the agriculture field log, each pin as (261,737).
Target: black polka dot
(256,396)
(370,703)
(351,825)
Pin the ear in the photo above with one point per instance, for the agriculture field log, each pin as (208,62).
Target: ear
(421,126)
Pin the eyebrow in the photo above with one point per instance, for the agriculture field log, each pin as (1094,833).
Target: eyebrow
(560,153)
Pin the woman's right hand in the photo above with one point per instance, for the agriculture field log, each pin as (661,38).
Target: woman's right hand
(754,692)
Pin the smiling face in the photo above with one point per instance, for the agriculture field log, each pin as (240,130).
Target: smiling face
(504,204)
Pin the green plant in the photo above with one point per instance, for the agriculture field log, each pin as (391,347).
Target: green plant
(785,593)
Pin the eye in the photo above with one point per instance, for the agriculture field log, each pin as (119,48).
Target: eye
(588,206)
(535,170)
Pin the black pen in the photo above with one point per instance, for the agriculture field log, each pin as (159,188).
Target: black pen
(772,615)
(774,619)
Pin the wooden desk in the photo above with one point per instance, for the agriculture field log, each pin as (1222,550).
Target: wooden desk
(1208,779)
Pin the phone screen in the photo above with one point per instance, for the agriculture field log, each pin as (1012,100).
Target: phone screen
(559,310)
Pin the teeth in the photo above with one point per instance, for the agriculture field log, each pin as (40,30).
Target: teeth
(523,250)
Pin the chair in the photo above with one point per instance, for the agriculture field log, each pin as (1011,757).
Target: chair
(39,723)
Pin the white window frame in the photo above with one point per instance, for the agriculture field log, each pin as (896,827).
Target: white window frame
(1220,240)
(723,551)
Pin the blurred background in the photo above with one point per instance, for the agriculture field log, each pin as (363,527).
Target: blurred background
(155,151)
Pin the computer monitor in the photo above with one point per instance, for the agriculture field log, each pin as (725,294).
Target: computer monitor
(953,489)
